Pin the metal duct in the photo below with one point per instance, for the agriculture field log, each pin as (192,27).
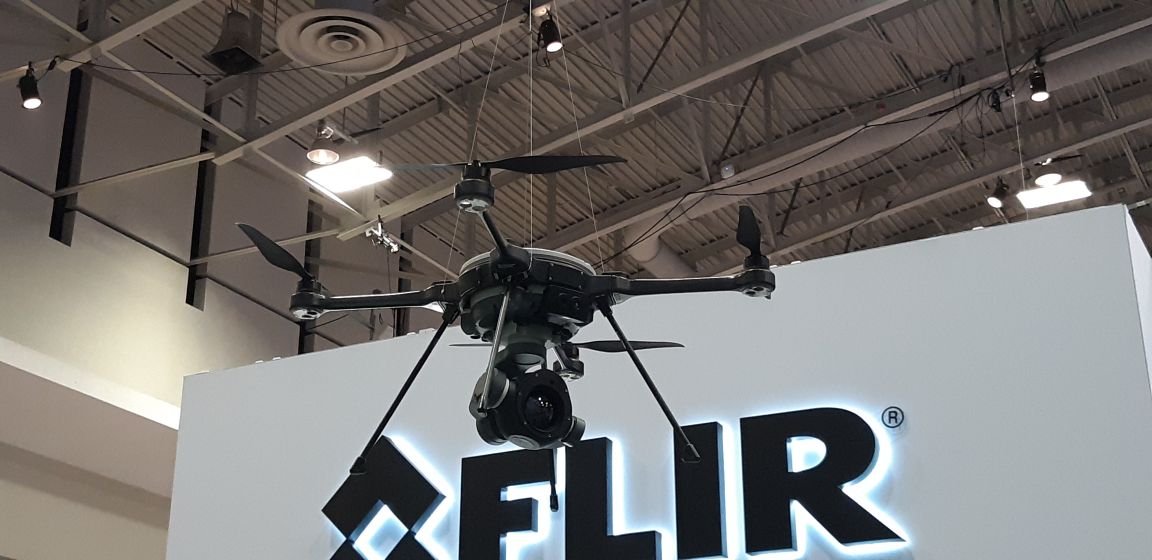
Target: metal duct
(1109,56)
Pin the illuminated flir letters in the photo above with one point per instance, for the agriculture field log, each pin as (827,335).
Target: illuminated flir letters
(805,472)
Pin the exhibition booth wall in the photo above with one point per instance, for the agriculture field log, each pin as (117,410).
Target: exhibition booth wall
(996,379)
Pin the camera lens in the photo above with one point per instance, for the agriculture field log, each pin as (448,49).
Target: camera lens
(541,409)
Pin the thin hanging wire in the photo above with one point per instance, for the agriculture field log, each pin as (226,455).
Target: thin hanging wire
(1015,104)
(452,244)
(580,148)
(487,79)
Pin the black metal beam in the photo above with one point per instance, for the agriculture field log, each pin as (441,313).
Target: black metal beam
(307,340)
(400,317)
(202,215)
(71,153)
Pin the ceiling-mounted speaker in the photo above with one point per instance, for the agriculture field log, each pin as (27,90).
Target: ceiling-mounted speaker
(342,37)
(233,53)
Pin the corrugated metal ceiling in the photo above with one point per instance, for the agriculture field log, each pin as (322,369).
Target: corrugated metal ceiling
(808,86)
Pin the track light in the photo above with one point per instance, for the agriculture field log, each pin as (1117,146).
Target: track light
(1037,82)
(996,199)
(323,149)
(29,91)
(1039,86)
(549,35)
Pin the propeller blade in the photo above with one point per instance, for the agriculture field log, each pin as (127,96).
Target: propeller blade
(609,346)
(748,231)
(551,164)
(426,167)
(273,253)
(613,346)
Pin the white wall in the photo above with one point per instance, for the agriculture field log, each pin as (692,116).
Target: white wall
(51,511)
(1016,353)
(114,308)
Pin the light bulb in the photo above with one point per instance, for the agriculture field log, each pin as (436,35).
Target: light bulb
(1049,179)
(29,92)
(1039,86)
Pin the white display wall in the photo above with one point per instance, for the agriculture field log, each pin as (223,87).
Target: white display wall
(1015,352)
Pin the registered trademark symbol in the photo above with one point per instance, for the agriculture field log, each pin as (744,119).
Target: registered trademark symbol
(893,417)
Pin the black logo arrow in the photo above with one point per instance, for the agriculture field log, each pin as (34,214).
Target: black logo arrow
(392,482)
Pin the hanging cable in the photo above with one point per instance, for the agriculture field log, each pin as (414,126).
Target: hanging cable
(580,148)
(487,79)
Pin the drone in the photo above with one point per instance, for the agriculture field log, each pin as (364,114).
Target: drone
(523,302)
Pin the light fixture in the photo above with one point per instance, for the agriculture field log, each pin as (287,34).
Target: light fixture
(1051,172)
(1039,86)
(549,36)
(1055,194)
(1048,179)
(1037,82)
(727,171)
(349,174)
(996,199)
(323,148)
(29,91)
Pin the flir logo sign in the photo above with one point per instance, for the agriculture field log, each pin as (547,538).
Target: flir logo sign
(776,479)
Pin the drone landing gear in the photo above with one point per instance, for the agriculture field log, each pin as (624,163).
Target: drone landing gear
(360,465)
(688,453)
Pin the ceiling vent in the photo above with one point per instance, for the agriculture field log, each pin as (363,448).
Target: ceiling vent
(342,37)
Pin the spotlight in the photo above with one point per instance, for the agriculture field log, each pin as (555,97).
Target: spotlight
(1049,179)
(323,149)
(350,174)
(549,36)
(29,92)
(1039,86)
(996,199)
(1049,173)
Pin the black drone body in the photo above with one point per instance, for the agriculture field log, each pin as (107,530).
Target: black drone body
(522,303)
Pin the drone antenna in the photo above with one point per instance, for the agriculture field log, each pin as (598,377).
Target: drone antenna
(553,499)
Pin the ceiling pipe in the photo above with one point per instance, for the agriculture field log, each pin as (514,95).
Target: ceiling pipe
(662,261)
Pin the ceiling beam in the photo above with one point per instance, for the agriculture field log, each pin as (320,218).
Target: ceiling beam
(90,50)
(925,192)
(614,114)
(134,174)
(412,66)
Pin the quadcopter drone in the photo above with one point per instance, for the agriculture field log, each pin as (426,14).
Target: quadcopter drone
(523,302)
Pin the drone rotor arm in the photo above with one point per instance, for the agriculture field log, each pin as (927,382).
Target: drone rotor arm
(754,282)
(316,304)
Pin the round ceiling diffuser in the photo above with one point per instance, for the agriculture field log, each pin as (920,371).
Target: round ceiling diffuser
(342,40)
